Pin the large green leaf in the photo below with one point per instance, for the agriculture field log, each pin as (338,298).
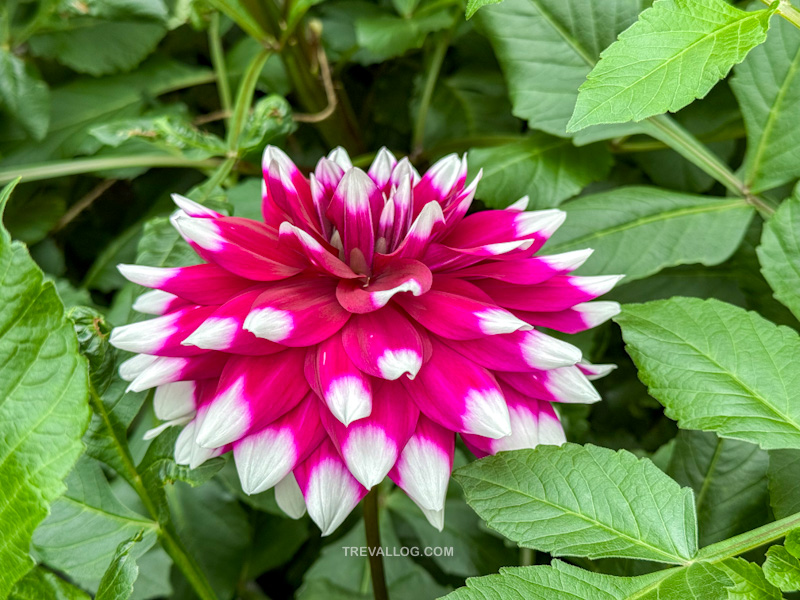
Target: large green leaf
(583,501)
(24,95)
(546,49)
(749,582)
(665,228)
(547,169)
(779,253)
(562,581)
(86,526)
(784,482)
(717,367)
(43,402)
(39,584)
(676,52)
(767,85)
(729,479)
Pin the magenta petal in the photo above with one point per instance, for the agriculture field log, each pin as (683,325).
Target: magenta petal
(300,312)
(423,469)
(443,179)
(527,271)
(469,403)
(518,351)
(267,456)
(564,384)
(355,210)
(575,319)
(381,169)
(223,330)
(253,391)
(384,344)
(559,293)
(491,227)
(330,491)
(421,232)
(156,302)
(198,284)
(400,275)
(242,246)
(320,255)
(450,309)
(162,336)
(158,370)
(371,446)
(344,388)
(533,422)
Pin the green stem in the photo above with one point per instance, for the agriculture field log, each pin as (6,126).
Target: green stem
(371,523)
(169,538)
(78,166)
(435,67)
(787,11)
(218,61)
(669,131)
(750,540)
(244,97)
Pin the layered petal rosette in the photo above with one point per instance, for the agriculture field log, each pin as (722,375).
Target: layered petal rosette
(358,328)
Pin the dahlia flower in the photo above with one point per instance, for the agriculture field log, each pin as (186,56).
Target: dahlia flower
(358,328)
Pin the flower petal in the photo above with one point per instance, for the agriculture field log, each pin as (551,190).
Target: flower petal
(321,257)
(469,403)
(330,491)
(565,384)
(528,271)
(355,210)
(266,457)
(156,302)
(575,319)
(384,344)
(162,336)
(398,276)
(289,497)
(198,284)
(518,351)
(559,293)
(343,387)
(168,369)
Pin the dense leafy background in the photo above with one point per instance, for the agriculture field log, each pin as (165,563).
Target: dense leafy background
(668,132)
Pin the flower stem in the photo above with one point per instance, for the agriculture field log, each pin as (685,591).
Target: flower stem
(218,60)
(787,11)
(370,507)
(439,52)
(749,540)
(244,97)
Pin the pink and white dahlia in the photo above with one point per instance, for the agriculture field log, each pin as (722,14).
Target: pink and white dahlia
(358,328)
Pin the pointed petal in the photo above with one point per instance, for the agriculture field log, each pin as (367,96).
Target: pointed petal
(300,312)
(330,491)
(457,310)
(135,366)
(324,259)
(223,329)
(161,336)
(253,391)
(168,369)
(340,156)
(445,177)
(593,371)
(575,319)
(289,497)
(533,422)
(384,344)
(156,302)
(423,469)
(518,351)
(469,403)
(355,210)
(398,276)
(565,384)
(192,208)
(198,284)
(371,446)
(266,457)
(498,226)
(528,271)
(344,388)
(381,169)
(176,400)
(421,232)
(559,293)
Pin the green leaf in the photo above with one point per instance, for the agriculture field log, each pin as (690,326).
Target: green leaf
(29,220)
(386,36)
(767,85)
(784,482)
(474,5)
(674,53)
(547,168)
(24,95)
(729,479)
(87,525)
(717,367)
(666,228)
(562,581)
(39,584)
(546,49)
(782,569)
(118,580)
(86,102)
(270,120)
(749,582)
(583,501)
(43,402)
(779,253)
